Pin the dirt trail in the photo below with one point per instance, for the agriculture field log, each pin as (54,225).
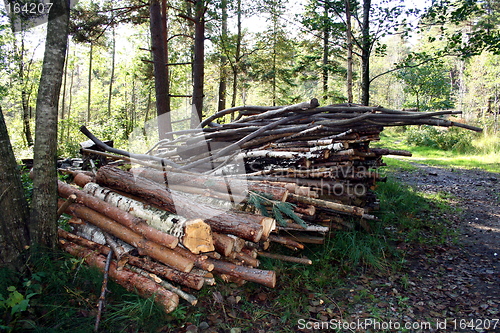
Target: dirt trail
(455,285)
(459,281)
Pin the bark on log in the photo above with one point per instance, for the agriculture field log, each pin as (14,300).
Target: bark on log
(287,242)
(129,280)
(304,261)
(194,234)
(158,252)
(223,244)
(187,279)
(220,184)
(243,225)
(266,278)
(134,223)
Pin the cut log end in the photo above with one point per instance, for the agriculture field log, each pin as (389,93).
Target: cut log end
(198,236)
(268,225)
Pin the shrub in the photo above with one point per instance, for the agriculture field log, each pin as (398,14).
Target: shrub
(453,138)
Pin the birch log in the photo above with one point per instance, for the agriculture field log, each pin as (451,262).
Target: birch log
(136,224)
(195,234)
(158,252)
(244,225)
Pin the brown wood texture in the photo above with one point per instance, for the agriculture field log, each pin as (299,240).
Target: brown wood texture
(154,250)
(129,280)
(187,279)
(244,225)
(136,224)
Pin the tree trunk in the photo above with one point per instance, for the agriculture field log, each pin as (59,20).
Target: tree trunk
(43,223)
(326,42)
(198,63)
(65,77)
(24,95)
(365,53)
(14,235)
(89,93)
(112,78)
(221,105)
(349,51)
(160,71)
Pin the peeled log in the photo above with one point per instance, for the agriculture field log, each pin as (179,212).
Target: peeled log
(244,225)
(158,252)
(195,234)
(129,280)
(187,279)
(136,224)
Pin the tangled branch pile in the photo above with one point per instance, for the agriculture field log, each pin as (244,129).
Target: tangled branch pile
(212,199)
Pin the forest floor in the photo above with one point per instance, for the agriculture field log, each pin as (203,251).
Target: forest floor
(450,287)
(456,286)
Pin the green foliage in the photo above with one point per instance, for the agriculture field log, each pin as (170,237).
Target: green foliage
(429,84)
(279,209)
(450,139)
(27,185)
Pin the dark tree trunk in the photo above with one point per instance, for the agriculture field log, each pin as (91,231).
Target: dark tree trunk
(65,77)
(326,48)
(160,70)
(25,95)
(14,234)
(221,105)
(349,51)
(112,78)
(26,117)
(89,93)
(43,219)
(365,54)
(198,63)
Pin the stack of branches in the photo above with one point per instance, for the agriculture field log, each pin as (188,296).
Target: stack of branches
(216,196)
(124,213)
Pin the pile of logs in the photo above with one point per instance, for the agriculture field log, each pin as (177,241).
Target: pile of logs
(209,201)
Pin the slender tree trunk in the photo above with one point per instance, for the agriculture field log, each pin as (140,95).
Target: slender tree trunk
(165,32)
(365,53)
(237,55)
(221,105)
(70,103)
(349,51)
(89,95)
(26,118)
(198,63)
(326,50)
(24,97)
(65,76)
(43,219)
(274,62)
(112,78)
(160,70)
(63,99)
(14,235)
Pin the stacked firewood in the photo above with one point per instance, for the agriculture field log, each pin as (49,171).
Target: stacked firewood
(211,200)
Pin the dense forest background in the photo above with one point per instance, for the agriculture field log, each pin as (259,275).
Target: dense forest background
(265,52)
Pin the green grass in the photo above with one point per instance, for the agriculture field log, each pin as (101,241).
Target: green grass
(484,154)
